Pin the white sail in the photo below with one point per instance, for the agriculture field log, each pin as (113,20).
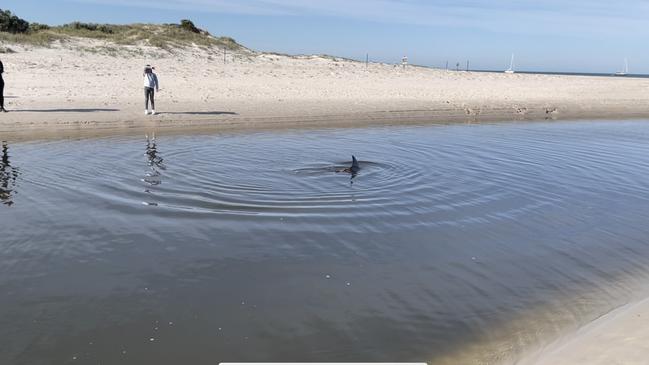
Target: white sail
(510,70)
(626,69)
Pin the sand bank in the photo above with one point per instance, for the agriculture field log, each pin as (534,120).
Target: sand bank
(82,85)
(619,337)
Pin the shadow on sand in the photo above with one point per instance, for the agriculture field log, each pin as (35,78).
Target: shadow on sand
(199,113)
(64,110)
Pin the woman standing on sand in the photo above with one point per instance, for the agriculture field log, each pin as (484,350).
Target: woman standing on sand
(150,82)
(2,89)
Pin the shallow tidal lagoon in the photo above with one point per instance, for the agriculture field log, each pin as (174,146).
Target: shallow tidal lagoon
(453,243)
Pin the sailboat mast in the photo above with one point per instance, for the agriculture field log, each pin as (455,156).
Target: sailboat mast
(510,70)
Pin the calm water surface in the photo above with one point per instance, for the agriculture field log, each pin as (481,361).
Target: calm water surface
(453,244)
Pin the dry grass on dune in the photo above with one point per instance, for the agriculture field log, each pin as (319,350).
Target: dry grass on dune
(165,36)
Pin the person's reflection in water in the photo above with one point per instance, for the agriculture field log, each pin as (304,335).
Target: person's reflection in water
(8,176)
(155,162)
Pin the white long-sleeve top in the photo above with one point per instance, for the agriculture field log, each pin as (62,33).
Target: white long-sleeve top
(151,80)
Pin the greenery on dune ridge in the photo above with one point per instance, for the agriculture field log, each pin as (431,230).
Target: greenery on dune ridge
(165,36)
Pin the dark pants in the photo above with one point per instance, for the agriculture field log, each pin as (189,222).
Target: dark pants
(2,93)
(149,94)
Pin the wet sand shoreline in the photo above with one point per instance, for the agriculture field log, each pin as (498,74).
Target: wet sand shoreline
(27,125)
(618,337)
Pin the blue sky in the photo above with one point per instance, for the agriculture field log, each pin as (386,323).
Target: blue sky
(545,35)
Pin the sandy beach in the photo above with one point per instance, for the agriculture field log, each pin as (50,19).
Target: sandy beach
(86,84)
(619,337)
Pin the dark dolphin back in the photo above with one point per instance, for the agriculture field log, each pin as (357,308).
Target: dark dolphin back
(355,165)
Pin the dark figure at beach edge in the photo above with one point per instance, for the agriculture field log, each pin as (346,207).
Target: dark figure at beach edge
(2,89)
(150,88)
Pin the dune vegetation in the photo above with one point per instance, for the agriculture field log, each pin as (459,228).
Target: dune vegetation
(14,30)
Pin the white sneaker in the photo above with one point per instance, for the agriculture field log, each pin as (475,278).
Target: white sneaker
(146,112)
(152,112)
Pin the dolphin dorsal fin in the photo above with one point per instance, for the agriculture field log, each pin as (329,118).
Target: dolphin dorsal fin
(354,162)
